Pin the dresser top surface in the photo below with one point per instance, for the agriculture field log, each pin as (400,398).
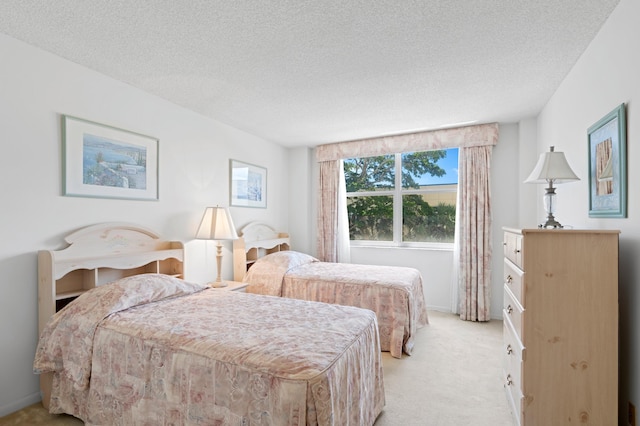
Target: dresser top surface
(560,231)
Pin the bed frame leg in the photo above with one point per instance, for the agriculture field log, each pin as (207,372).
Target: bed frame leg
(46,381)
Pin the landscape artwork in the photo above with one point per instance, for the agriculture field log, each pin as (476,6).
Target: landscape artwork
(107,162)
(248,185)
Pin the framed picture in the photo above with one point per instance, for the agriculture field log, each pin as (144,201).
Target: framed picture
(106,162)
(608,165)
(248,185)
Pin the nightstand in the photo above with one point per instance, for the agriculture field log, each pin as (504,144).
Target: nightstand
(233,286)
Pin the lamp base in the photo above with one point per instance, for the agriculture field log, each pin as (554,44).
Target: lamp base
(550,223)
(217,284)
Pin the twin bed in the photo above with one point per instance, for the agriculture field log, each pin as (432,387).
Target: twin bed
(138,345)
(263,260)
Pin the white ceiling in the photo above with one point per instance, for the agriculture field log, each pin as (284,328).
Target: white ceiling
(307,72)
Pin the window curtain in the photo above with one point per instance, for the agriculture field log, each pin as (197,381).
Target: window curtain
(472,248)
(479,135)
(343,245)
(333,223)
(471,286)
(328,194)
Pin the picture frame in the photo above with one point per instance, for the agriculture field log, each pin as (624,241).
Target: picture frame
(247,185)
(608,165)
(101,161)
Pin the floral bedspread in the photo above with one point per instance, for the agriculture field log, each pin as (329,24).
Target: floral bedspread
(209,357)
(394,293)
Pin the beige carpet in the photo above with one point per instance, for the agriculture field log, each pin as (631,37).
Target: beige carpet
(452,379)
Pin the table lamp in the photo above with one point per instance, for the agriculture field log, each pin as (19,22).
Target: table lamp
(552,167)
(217,225)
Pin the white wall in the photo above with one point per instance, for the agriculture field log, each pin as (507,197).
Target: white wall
(505,189)
(605,76)
(301,200)
(36,88)
(435,266)
(528,194)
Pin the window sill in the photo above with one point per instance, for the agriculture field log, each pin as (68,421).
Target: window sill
(413,246)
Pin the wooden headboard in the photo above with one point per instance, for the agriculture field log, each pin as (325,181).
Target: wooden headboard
(255,241)
(97,255)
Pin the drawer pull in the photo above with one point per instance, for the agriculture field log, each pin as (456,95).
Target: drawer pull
(509,309)
(509,380)
(509,279)
(516,251)
(509,350)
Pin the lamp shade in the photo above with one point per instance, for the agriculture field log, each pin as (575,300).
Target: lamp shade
(552,166)
(216,224)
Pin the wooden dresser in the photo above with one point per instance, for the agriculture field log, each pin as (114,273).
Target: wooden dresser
(561,326)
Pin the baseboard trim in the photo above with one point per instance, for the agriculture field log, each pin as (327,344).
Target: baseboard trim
(445,309)
(20,404)
(448,311)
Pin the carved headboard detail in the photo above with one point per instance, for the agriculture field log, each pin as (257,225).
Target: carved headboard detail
(255,240)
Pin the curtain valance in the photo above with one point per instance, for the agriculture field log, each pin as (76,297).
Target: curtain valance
(460,137)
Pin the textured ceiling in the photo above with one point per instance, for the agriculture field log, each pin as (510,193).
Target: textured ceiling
(307,72)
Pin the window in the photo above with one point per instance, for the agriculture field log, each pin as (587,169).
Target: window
(403,198)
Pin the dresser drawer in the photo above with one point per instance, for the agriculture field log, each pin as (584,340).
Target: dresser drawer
(514,398)
(512,244)
(513,279)
(513,311)
(513,355)
(513,352)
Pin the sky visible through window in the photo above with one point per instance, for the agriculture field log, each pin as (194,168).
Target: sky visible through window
(450,165)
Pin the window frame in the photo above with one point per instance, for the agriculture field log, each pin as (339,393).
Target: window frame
(397,192)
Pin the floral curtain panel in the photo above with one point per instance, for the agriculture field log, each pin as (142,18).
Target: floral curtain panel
(328,201)
(472,260)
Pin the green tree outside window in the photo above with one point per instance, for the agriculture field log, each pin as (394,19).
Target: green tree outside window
(373,188)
